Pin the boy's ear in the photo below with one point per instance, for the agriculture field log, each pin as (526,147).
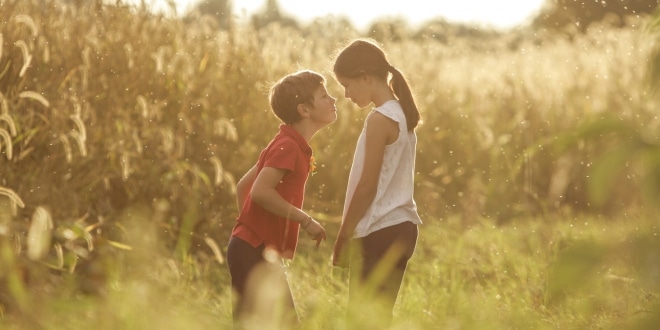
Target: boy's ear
(302,110)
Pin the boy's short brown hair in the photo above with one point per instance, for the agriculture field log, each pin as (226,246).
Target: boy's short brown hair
(292,90)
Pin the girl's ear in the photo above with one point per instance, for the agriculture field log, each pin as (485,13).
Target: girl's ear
(366,78)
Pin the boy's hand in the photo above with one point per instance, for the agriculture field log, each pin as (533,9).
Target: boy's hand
(315,231)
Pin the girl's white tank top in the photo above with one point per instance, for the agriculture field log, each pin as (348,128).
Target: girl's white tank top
(394,202)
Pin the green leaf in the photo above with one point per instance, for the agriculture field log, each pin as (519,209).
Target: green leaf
(605,170)
(574,265)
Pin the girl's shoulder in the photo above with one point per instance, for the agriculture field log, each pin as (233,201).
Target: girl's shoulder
(391,109)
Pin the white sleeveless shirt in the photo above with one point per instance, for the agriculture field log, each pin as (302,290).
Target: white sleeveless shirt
(394,202)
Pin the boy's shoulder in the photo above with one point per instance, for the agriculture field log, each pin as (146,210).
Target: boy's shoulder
(284,141)
(282,145)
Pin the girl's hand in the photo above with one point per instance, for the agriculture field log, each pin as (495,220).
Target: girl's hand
(315,231)
(339,255)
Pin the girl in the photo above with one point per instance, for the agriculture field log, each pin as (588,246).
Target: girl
(270,198)
(380,215)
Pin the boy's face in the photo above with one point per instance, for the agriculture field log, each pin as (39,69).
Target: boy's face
(324,110)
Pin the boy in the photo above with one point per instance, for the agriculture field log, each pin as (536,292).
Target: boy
(270,197)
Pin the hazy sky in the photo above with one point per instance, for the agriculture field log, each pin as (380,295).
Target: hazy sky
(502,13)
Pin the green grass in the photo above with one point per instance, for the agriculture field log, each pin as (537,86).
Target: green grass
(536,273)
(497,277)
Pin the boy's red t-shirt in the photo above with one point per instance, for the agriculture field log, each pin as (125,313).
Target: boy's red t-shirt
(289,151)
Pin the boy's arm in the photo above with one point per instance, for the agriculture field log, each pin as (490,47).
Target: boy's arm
(244,185)
(263,193)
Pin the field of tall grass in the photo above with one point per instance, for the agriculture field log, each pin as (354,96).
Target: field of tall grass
(122,134)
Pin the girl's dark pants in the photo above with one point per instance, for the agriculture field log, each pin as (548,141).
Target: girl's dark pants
(242,259)
(381,257)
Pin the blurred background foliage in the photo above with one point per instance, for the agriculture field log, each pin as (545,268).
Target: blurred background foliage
(110,114)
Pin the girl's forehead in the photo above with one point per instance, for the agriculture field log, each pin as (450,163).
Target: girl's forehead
(343,80)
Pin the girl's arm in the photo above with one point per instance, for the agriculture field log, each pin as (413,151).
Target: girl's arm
(264,193)
(244,185)
(381,131)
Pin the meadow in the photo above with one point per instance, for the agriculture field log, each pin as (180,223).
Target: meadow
(123,134)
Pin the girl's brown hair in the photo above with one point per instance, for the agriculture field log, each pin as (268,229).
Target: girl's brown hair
(292,90)
(363,56)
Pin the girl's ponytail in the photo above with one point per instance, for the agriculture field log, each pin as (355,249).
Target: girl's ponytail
(402,91)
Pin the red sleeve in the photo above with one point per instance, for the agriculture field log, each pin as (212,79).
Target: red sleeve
(283,156)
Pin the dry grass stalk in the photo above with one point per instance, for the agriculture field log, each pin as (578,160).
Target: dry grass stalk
(60,255)
(15,200)
(35,96)
(125,165)
(67,147)
(27,57)
(8,142)
(142,102)
(168,140)
(27,20)
(217,166)
(4,107)
(43,44)
(216,249)
(138,142)
(180,147)
(82,146)
(129,54)
(81,126)
(12,126)
(39,234)
(224,127)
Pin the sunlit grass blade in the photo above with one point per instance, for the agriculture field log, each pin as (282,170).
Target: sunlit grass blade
(81,126)
(12,126)
(216,249)
(217,166)
(40,234)
(13,197)
(27,57)
(4,107)
(29,22)
(35,96)
(120,245)
(67,147)
(6,138)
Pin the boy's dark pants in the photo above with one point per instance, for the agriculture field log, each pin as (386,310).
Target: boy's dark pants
(252,276)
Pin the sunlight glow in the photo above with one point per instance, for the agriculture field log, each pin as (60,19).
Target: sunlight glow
(498,14)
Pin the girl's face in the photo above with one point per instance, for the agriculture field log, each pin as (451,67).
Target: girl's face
(356,90)
(324,110)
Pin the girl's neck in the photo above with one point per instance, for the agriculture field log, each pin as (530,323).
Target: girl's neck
(379,100)
(381,94)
